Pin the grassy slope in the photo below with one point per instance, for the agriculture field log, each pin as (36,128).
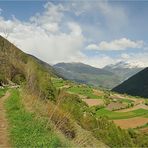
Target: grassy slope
(2,92)
(24,125)
(58,82)
(121,115)
(74,88)
(83,91)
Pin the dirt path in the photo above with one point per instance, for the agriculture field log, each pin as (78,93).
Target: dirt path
(4,140)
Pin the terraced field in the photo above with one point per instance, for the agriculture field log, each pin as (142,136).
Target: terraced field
(93,102)
(130,117)
(131,122)
(83,90)
(121,115)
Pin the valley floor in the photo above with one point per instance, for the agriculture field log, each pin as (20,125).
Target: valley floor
(131,122)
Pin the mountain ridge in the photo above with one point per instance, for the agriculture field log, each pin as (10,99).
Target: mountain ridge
(86,74)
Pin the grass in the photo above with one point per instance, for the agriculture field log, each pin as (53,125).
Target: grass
(121,115)
(25,129)
(143,126)
(76,89)
(127,100)
(86,91)
(2,92)
(58,82)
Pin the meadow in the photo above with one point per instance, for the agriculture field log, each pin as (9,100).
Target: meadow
(121,115)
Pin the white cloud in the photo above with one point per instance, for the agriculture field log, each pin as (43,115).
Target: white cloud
(45,37)
(121,44)
(98,60)
(125,56)
(50,18)
(42,36)
(136,59)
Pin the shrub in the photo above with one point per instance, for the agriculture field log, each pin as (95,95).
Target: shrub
(18,79)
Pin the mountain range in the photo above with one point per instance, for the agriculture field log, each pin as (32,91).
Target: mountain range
(107,77)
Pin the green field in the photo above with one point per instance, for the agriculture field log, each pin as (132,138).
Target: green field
(121,115)
(84,90)
(127,100)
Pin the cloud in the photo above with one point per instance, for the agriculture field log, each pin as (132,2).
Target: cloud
(115,16)
(50,18)
(136,59)
(43,37)
(121,44)
(58,34)
(98,60)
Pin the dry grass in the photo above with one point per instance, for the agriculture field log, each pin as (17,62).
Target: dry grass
(98,92)
(61,121)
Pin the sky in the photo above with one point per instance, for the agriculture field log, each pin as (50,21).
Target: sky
(96,32)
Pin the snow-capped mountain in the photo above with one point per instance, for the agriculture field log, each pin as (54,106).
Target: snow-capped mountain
(124,65)
(124,69)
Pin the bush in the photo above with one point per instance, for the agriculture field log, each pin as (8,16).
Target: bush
(18,79)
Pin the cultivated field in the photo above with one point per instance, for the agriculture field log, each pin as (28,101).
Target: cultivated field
(126,111)
(139,106)
(93,102)
(131,123)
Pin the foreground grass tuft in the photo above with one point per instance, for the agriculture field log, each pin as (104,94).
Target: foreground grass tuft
(25,129)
